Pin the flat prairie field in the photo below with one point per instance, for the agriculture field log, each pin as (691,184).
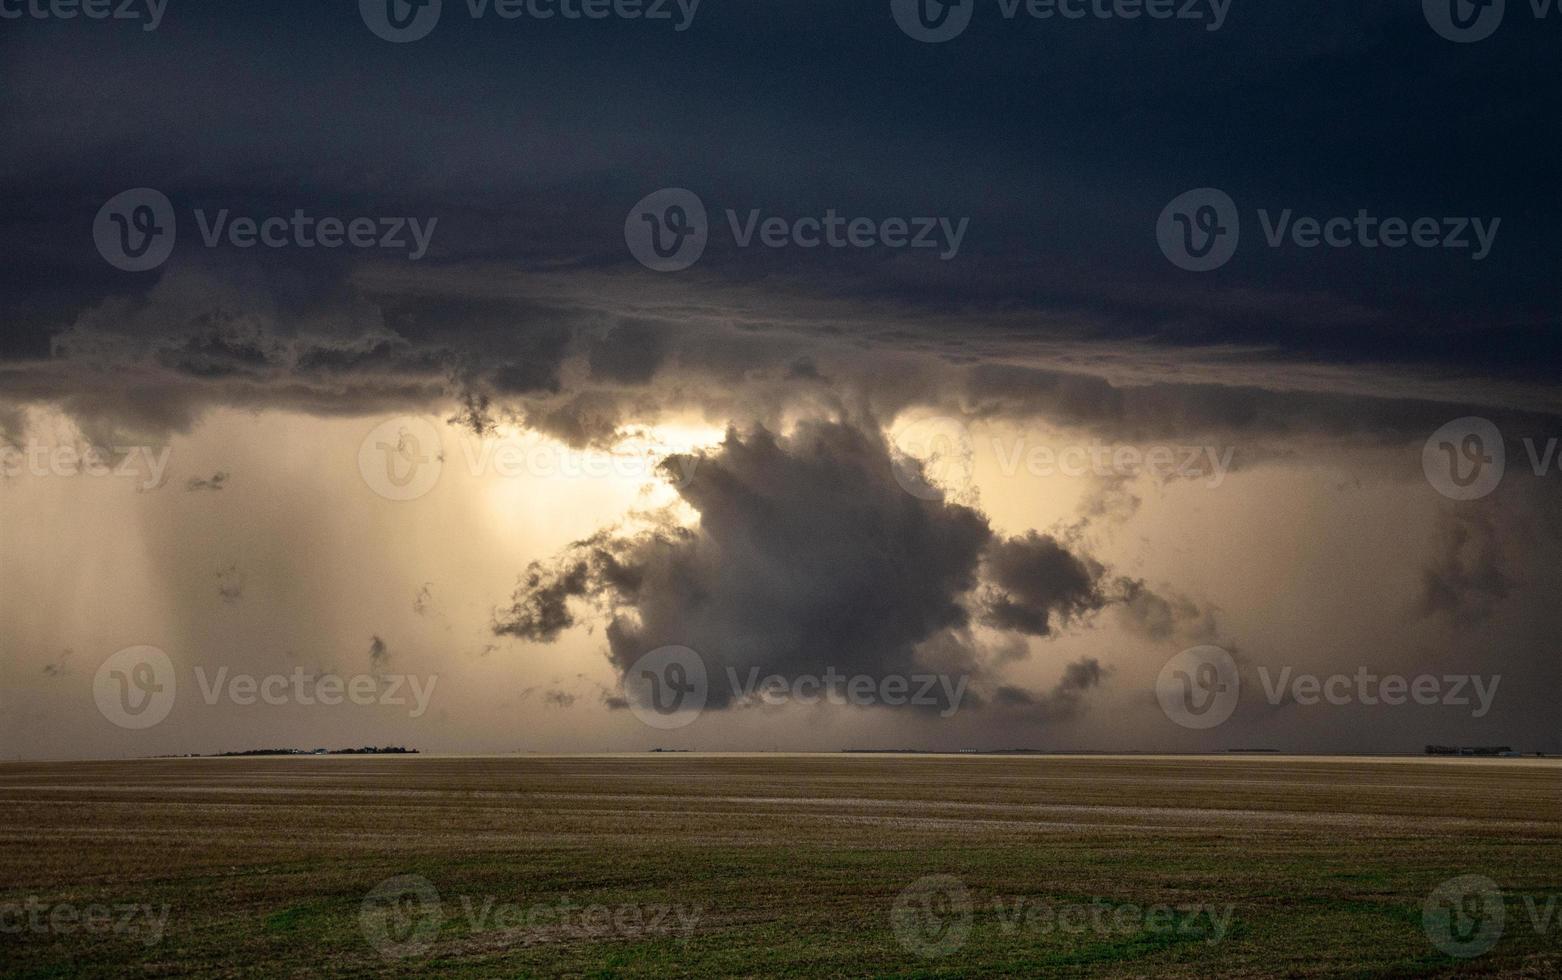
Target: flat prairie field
(792,865)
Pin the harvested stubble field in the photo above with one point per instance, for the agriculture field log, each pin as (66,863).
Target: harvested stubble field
(724,865)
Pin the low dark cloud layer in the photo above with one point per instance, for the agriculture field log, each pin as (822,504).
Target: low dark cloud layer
(1064,701)
(1469,576)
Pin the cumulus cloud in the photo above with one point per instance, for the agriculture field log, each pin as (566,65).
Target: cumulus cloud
(808,555)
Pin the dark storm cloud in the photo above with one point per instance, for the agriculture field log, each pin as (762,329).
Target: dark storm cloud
(559,699)
(538,355)
(1163,617)
(1469,576)
(541,610)
(1065,700)
(809,555)
(1061,141)
(582,419)
(379,653)
(562,695)
(213,483)
(629,353)
(1035,580)
(59,667)
(13,424)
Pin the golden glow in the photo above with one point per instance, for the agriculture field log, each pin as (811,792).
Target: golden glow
(526,473)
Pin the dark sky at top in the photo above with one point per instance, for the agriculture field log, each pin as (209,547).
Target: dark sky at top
(1060,140)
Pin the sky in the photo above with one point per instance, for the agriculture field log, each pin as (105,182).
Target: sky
(548,383)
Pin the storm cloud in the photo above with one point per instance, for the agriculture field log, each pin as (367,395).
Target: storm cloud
(808,554)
